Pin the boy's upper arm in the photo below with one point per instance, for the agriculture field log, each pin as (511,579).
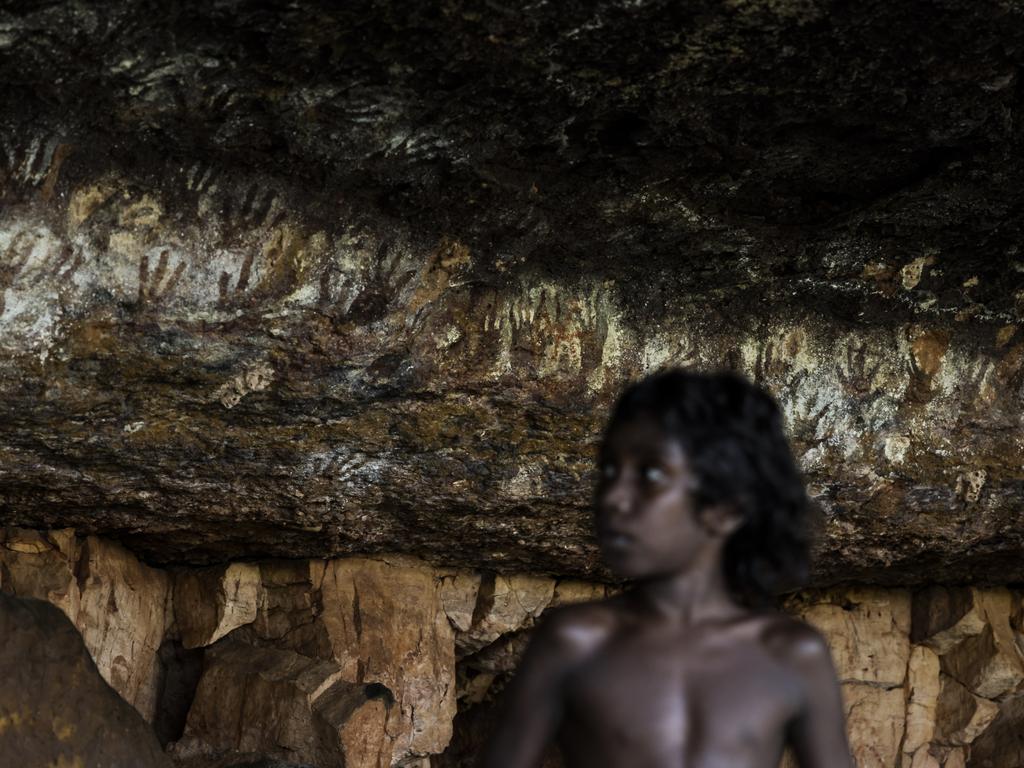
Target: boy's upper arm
(817,734)
(532,703)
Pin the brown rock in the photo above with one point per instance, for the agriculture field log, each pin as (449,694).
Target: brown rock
(944,616)
(923,694)
(211,602)
(990,663)
(960,715)
(289,603)
(387,626)
(119,605)
(123,618)
(867,631)
(459,592)
(281,704)
(41,565)
(55,709)
(874,721)
(505,604)
(1002,743)
(569,591)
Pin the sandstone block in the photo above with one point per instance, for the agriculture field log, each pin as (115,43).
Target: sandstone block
(989,663)
(923,694)
(55,709)
(960,715)
(868,631)
(506,604)
(875,722)
(942,617)
(284,705)
(386,625)
(211,602)
(458,597)
(123,618)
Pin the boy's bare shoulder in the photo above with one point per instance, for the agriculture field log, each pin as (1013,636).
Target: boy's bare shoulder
(795,643)
(576,630)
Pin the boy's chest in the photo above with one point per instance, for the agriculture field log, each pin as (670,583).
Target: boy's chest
(683,695)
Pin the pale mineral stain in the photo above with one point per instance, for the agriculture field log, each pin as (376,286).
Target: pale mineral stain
(895,448)
(910,274)
(254,378)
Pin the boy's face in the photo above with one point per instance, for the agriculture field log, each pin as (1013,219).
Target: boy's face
(645,515)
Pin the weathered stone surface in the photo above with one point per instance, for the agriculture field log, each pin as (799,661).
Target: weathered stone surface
(1002,743)
(41,565)
(459,592)
(868,631)
(211,602)
(387,627)
(922,699)
(944,616)
(990,663)
(875,722)
(960,715)
(123,618)
(282,704)
(329,278)
(55,709)
(569,591)
(120,606)
(505,604)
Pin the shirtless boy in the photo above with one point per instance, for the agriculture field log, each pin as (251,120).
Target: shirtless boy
(699,505)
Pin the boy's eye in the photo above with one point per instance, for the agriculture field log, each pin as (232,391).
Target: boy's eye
(653,474)
(607,471)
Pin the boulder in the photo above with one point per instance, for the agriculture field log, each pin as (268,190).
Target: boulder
(55,708)
(121,606)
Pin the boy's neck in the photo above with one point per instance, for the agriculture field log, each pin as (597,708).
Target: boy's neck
(694,596)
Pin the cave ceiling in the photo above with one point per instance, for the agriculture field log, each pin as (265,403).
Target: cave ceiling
(305,279)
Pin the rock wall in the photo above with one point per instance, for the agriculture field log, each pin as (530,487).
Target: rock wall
(373,662)
(326,279)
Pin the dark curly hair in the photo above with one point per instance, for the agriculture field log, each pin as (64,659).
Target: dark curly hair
(732,433)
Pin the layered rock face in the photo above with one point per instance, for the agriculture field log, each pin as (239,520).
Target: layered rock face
(319,309)
(373,662)
(365,278)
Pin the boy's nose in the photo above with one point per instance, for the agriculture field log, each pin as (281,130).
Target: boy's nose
(616,501)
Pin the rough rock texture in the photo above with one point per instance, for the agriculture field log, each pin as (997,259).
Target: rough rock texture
(120,606)
(55,709)
(313,279)
(380,661)
(210,602)
(281,704)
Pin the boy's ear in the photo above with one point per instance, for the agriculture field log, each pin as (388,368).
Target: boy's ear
(720,519)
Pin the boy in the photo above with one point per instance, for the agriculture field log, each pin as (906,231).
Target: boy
(700,505)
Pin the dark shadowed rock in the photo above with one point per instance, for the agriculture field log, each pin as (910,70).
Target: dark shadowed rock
(314,279)
(55,709)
